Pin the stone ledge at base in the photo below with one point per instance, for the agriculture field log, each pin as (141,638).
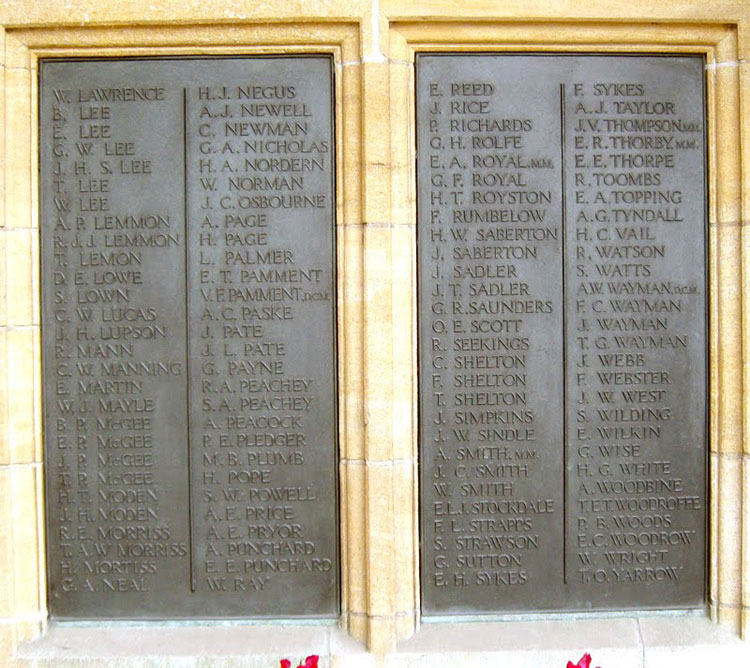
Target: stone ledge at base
(624,642)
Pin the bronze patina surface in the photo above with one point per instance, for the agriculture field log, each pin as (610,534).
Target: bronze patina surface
(188,294)
(562,332)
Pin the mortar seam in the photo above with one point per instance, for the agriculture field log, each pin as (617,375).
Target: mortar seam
(359,461)
(641,641)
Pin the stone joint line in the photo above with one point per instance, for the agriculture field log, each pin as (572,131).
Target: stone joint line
(40,617)
(387,225)
(731,606)
(641,642)
(395,615)
(390,61)
(20,466)
(729,223)
(379,463)
(14,328)
(726,63)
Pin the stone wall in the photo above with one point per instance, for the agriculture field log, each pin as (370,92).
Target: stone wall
(373,44)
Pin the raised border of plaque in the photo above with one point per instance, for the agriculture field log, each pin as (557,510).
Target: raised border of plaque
(189,337)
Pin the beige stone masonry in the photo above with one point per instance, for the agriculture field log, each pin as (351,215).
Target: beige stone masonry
(373,44)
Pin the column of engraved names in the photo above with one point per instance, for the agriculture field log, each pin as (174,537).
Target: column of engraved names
(111,240)
(490,324)
(259,174)
(635,334)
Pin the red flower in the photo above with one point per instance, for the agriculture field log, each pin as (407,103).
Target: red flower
(584,662)
(310,662)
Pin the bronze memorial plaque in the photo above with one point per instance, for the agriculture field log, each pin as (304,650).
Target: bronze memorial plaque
(188,329)
(562,332)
